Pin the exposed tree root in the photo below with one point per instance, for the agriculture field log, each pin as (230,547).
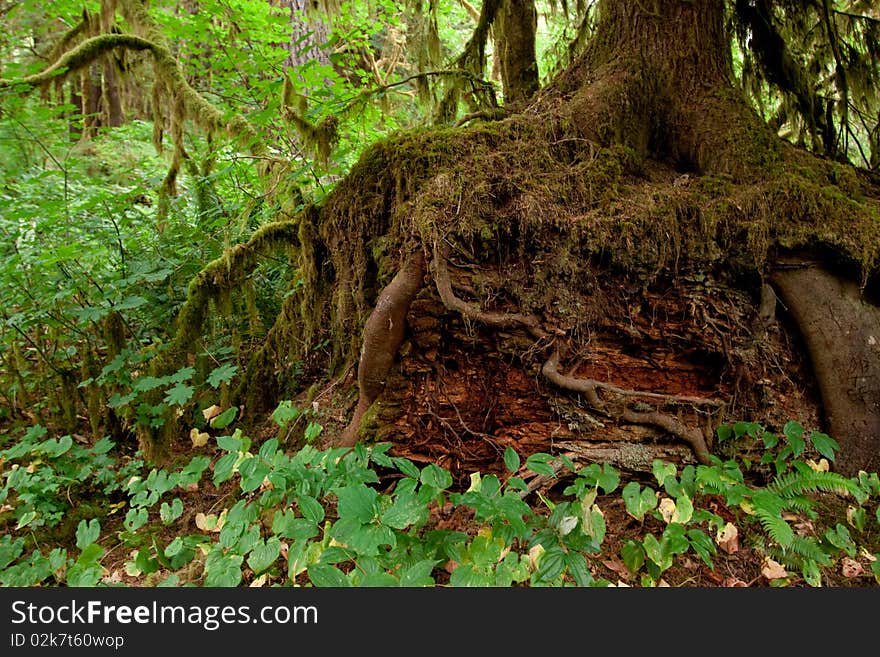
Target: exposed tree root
(668,423)
(383,333)
(842,333)
(499,320)
(588,387)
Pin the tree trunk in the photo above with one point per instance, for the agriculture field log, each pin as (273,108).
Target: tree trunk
(515,39)
(595,270)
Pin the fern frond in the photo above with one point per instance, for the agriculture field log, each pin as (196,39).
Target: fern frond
(800,550)
(793,483)
(777,528)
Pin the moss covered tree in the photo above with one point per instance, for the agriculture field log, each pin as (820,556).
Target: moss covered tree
(628,258)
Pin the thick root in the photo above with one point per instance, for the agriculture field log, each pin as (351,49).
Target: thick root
(668,423)
(383,333)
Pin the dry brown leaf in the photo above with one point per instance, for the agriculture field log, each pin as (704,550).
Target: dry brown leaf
(211,412)
(728,539)
(735,582)
(198,438)
(618,567)
(851,567)
(773,570)
(259,581)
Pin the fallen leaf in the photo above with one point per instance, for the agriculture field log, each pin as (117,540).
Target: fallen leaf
(259,581)
(450,566)
(851,567)
(618,567)
(821,466)
(192,487)
(773,570)
(211,412)
(667,509)
(198,438)
(735,582)
(728,539)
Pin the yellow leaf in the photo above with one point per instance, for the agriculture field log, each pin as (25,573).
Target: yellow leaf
(198,438)
(667,509)
(821,466)
(259,581)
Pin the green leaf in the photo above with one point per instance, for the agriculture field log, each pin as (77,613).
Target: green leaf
(435,476)
(285,413)
(511,460)
(379,579)
(135,519)
(363,539)
(170,512)
(662,471)
(26,519)
(405,511)
(179,395)
(224,468)
(638,501)
(264,555)
(795,434)
(657,552)
(552,564)
(418,574)
(577,567)
(181,375)
(325,575)
(310,508)
(222,374)
(467,575)
(703,546)
(225,418)
(174,547)
(253,472)
(147,383)
(541,464)
(824,444)
(222,569)
(356,501)
(313,430)
(406,466)
(87,532)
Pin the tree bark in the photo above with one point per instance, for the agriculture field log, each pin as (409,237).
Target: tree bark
(842,333)
(515,27)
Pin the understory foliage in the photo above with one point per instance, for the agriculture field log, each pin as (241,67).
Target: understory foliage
(178,195)
(362,517)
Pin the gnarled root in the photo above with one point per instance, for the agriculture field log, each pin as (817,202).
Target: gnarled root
(383,333)
(588,387)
